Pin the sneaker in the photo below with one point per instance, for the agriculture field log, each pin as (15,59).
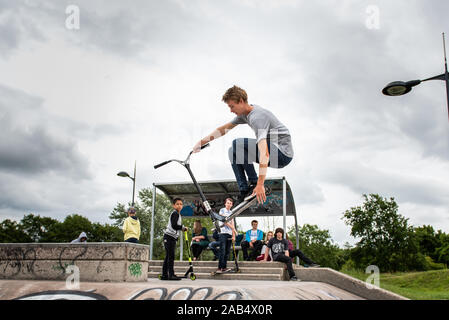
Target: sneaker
(314,265)
(225,270)
(219,270)
(294,278)
(173,277)
(242,196)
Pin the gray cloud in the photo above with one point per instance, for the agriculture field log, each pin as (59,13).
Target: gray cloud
(28,146)
(316,64)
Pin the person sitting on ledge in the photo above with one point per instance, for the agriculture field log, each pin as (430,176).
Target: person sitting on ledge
(81,239)
(264,248)
(253,240)
(279,248)
(199,239)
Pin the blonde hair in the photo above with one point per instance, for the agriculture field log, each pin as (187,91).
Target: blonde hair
(235,93)
(266,236)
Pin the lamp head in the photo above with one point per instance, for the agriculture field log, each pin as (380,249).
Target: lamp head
(399,88)
(123,174)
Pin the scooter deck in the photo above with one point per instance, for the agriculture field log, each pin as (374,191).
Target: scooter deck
(215,273)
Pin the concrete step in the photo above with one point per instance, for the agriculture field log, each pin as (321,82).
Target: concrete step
(228,276)
(249,264)
(207,269)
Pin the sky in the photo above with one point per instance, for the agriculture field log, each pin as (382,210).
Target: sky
(89,87)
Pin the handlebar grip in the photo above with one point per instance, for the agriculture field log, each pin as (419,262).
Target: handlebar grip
(161,164)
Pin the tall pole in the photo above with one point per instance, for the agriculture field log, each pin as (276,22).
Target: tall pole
(153,205)
(446,73)
(134,182)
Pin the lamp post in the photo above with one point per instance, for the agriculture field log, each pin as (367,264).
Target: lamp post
(126,175)
(399,88)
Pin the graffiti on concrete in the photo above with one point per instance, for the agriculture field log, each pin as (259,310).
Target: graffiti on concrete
(107,255)
(159,293)
(62,295)
(135,269)
(17,260)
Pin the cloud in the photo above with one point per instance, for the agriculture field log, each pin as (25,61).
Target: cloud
(27,145)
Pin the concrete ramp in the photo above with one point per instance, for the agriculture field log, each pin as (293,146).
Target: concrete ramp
(154,289)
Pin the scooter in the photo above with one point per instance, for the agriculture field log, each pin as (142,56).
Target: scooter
(189,272)
(217,219)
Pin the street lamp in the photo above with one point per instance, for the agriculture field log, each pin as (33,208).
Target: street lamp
(399,88)
(126,175)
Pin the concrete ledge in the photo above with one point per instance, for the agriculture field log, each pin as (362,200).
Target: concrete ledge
(345,282)
(112,261)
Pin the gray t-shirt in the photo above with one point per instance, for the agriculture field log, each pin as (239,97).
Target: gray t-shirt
(266,126)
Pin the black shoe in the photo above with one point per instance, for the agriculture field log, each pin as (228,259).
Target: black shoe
(314,265)
(174,277)
(242,196)
(294,278)
(163,278)
(251,187)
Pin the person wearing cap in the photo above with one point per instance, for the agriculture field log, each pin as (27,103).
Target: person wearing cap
(131,227)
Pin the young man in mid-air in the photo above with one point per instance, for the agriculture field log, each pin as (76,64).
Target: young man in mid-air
(271,148)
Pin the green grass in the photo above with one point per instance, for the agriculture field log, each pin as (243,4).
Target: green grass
(427,285)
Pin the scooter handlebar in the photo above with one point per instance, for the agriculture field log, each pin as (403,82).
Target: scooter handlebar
(168,161)
(161,164)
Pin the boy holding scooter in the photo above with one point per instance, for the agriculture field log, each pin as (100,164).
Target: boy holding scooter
(170,239)
(226,233)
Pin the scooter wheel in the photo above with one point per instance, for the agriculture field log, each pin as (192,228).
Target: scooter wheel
(160,277)
(192,276)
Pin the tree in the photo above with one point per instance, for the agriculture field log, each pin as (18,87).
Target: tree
(428,240)
(318,245)
(40,229)
(386,239)
(12,232)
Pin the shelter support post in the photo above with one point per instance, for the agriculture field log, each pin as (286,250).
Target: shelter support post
(153,205)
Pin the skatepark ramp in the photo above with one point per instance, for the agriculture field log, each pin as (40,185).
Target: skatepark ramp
(122,271)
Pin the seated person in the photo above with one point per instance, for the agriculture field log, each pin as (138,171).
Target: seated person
(199,239)
(298,253)
(214,244)
(253,240)
(262,252)
(279,248)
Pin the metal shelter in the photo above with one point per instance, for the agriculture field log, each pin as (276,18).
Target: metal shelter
(217,191)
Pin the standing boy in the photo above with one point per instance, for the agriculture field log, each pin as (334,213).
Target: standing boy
(226,233)
(170,239)
(131,227)
(279,248)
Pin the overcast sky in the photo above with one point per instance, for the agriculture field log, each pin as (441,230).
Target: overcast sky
(143,80)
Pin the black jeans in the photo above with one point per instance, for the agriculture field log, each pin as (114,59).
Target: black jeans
(287,260)
(301,255)
(225,248)
(196,250)
(257,247)
(132,240)
(169,261)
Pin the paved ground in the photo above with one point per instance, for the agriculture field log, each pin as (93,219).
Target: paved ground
(175,290)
